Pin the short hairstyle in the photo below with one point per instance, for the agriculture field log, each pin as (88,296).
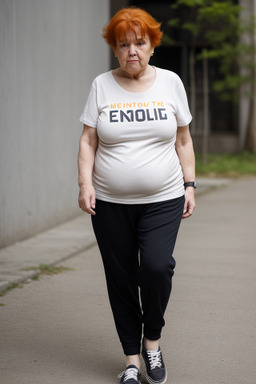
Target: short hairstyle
(130,18)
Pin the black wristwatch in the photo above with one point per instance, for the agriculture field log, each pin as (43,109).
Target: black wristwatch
(190,184)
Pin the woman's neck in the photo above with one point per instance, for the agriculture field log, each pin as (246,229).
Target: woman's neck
(148,71)
(135,82)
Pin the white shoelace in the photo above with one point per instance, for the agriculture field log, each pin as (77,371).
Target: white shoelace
(130,373)
(154,358)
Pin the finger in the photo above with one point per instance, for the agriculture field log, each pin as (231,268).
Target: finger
(185,215)
(93,201)
(90,209)
(91,212)
(185,208)
(188,210)
(86,207)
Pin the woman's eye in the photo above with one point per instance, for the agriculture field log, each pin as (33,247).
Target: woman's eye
(140,43)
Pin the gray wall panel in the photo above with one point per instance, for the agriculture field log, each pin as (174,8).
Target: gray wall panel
(50,51)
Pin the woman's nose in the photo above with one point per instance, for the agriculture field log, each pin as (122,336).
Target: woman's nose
(132,50)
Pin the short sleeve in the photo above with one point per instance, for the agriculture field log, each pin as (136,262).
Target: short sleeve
(183,114)
(90,113)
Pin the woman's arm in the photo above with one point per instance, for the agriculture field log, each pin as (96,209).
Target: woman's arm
(185,151)
(87,148)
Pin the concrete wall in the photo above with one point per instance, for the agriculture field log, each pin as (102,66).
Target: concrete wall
(50,51)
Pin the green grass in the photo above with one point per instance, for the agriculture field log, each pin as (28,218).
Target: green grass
(227,165)
(47,270)
(12,286)
(42,269)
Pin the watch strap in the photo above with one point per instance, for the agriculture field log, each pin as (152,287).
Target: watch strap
(190,184)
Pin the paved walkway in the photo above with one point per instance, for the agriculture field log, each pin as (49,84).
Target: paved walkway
(60,328)
(19,261)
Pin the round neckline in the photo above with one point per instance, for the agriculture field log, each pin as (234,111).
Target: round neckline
(135,93)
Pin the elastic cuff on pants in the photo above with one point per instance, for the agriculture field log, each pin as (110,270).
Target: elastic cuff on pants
(131,349)
(152,334)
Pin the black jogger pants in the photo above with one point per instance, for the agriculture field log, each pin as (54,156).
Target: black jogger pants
(136,244)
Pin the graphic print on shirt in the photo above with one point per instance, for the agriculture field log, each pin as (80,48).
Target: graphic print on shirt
(137,111)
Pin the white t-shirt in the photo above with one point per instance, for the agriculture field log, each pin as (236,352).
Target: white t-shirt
(136,161)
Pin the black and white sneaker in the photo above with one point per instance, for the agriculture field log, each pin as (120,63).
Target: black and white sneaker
(155,368)
(130,376)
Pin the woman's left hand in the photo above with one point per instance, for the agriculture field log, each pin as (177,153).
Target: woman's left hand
(190,203)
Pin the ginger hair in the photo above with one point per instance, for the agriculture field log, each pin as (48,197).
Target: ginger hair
(130,18)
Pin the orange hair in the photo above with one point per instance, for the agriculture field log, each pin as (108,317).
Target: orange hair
(130,18)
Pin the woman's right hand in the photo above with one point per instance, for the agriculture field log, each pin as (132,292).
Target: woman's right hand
(87,199)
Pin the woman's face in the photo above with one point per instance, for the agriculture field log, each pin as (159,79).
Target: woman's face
(133,52)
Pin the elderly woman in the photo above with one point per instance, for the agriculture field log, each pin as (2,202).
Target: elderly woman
(137,178)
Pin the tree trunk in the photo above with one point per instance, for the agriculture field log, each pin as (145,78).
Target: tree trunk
(192,88)
(206,111)
(250,143)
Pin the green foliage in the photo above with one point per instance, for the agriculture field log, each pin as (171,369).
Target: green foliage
(218,25)
(167,40)
(194,29)
(188,3)
(174,23)
(222,13)
(227,165)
